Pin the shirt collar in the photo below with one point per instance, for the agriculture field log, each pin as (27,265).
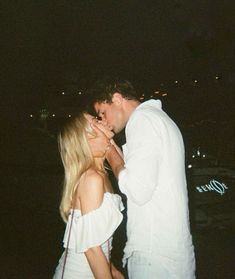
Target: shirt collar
(151,102)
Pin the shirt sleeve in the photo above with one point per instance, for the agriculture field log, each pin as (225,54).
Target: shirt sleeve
(138,180)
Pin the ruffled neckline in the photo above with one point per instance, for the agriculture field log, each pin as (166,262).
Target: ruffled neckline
(107,195)
(95,227)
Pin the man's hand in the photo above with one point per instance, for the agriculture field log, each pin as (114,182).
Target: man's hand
(116,274)
(100,143)
(104,128)
(102,146)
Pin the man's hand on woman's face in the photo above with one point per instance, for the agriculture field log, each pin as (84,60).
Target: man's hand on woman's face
(100,143)
(102,127)
(101,124)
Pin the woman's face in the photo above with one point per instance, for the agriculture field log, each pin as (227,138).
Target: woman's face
(104,128)
(91,135)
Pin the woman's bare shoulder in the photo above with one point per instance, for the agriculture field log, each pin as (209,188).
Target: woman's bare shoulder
(92,180)
(91,190)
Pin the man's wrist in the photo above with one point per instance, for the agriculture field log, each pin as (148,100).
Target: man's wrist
(108,147)
(112,141)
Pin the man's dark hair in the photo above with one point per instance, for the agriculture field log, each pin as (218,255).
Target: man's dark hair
(103,90)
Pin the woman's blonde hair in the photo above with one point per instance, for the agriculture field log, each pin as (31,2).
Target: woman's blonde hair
(76,156)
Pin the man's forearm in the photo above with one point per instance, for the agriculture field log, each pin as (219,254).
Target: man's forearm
(115,160)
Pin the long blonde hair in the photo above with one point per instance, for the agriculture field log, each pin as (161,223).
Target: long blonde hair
(76,156)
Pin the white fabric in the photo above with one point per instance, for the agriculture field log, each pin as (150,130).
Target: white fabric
(142,266)
(155,185)
(149,265)
(92,229)
(95,227)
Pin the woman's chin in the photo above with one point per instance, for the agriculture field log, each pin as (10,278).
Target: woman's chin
(99,155)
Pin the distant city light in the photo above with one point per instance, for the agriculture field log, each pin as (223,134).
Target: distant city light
(44,113)
(190,166)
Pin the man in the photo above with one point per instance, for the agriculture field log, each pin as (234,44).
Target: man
(152,176)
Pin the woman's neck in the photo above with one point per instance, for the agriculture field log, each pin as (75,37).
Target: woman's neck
(99,163)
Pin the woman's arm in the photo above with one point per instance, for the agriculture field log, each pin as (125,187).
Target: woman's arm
(98,263)
(90,194)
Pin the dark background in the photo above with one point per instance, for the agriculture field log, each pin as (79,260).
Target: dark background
(179,51)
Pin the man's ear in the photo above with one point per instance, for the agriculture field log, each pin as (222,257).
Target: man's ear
(117,98)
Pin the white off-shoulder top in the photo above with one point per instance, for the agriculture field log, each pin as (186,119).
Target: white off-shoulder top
(96,227)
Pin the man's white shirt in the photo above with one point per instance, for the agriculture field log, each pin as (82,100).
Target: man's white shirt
(155,185)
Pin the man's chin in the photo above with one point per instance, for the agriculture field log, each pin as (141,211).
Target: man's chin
(116,131)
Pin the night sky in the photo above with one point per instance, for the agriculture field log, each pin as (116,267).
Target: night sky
(185,49)
(55,46)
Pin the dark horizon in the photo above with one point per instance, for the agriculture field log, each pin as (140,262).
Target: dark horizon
(64,46)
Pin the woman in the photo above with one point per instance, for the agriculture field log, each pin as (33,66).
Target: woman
(88,206)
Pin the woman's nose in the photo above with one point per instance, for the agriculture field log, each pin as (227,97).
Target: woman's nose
(100,120)
(104,122)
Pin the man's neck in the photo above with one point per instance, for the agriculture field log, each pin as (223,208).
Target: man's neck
(130,106)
